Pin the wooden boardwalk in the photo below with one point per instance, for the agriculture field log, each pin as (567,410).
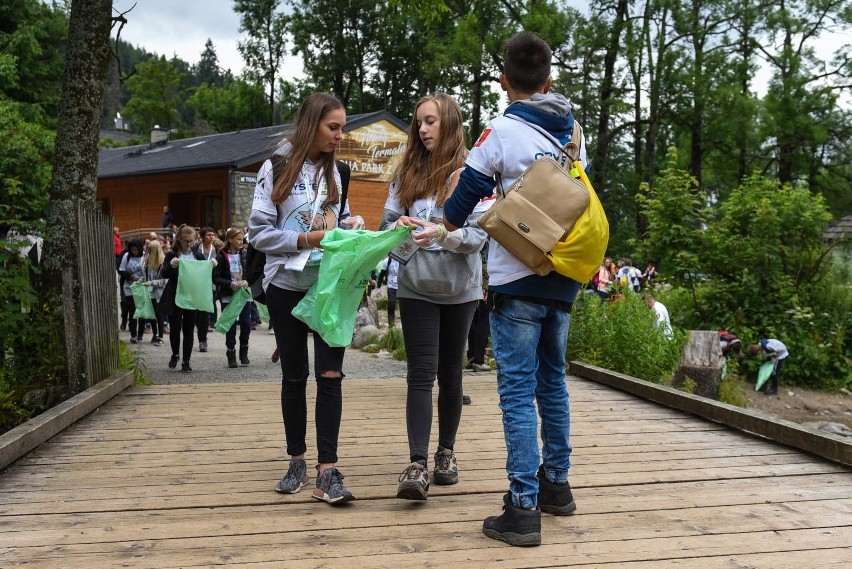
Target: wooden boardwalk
(182,476)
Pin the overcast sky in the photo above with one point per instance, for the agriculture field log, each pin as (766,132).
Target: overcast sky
(181,27)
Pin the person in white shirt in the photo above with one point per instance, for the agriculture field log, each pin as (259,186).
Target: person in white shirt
(776,352)
(661,315)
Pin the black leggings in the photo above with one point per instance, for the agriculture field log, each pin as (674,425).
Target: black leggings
(182,321)
(291,337)
(435,336)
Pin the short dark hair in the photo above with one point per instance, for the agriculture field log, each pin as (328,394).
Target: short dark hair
(527,64)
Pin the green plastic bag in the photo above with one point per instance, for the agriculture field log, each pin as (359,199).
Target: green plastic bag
(262,310)
(763,374)
(331,304)
(232,311)
(142,301)
(195,285)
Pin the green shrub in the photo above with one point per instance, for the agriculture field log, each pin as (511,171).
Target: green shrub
(733,391)
(621,336)
(382,304)
(31,348)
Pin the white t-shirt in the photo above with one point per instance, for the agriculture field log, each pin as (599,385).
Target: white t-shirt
(775,348)
(662,319)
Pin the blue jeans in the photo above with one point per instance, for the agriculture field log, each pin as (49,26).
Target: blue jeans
(244,321)
(529,342)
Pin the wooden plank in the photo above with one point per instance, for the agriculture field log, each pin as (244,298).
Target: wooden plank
(24,438)
(155,480)
(832,447)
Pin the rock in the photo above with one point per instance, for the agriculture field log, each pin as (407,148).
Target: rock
(35,399)
(365,335)
(831,428)
(845,391)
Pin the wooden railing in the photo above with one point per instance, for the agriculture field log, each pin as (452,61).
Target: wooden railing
(98,298)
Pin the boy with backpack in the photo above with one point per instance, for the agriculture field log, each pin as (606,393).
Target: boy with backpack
(529,321)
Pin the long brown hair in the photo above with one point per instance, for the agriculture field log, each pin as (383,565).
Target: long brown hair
(423,173)
(315,107)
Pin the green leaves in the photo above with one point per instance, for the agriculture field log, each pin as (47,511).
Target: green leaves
(155,95)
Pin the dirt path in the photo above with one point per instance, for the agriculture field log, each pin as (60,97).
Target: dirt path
(802,405)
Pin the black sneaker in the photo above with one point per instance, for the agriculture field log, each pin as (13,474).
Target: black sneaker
(202,346)
(466,400)
(173,361)
(330,487)
(132,340)
(446,469)
(413,482)
(515,526)
(296,477)
(184,367)
(554,498)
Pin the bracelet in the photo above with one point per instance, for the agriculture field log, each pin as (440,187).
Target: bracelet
(307,243)
(442,233)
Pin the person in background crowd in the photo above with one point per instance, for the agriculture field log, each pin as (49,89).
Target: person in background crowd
(204,320)
(228,278)
(480,330)
(439,288)
(130,269)
(152,266)
(661,315)
(116,243)
(167,220)
(182,320)
(776,352)
(392,283)
(295,203)
(606,279)
(650,273)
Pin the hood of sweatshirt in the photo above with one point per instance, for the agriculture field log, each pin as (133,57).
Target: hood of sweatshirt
(550,111)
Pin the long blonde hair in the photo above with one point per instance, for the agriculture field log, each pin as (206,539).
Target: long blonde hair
(154,256)
(182,230)
(315,107)
(423,173)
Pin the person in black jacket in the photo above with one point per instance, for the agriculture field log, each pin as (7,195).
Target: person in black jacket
(181,320)
(229,276)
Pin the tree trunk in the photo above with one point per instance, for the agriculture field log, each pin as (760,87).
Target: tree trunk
(75,169)
(601,153)
(701,363)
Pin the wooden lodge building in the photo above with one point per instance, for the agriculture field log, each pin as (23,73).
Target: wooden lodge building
(210,180)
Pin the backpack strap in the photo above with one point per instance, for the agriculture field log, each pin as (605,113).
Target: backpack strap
(570,148)
(345,173)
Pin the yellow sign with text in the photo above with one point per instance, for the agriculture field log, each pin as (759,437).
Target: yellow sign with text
(373,151)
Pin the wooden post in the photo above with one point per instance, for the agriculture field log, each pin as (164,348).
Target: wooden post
(701,363)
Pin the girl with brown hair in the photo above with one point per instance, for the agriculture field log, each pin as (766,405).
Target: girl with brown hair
(296,201)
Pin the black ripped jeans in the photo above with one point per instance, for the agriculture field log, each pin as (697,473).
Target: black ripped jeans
(291,337)
(435,336)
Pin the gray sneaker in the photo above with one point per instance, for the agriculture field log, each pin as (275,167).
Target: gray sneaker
(446,468)
(296,477)
(330,487)
(413,483)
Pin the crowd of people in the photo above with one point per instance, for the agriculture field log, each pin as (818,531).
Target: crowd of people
(455,288)
(155,264)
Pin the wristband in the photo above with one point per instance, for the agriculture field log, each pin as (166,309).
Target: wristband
(442,233)
(307,243)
